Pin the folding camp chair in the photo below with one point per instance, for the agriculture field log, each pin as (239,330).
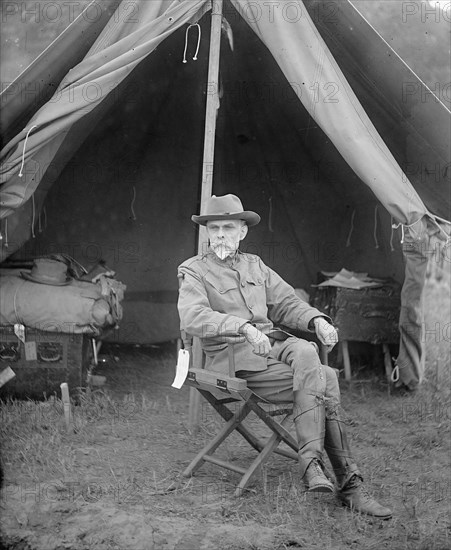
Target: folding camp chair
(220,390)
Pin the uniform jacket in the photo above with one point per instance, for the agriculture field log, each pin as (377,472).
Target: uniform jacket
(217,297)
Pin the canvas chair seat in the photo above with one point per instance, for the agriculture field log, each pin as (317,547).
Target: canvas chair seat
(220,390)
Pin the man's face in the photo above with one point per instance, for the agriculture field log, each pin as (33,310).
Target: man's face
(225,236)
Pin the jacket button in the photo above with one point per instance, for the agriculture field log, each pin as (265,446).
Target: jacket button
(250,307)
(243,284)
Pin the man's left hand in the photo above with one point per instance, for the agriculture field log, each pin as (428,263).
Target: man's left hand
(327,334)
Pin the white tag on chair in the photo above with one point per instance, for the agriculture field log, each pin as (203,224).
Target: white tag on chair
(19,331)
(181,369)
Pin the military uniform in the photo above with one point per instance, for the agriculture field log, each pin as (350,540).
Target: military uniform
(217,297)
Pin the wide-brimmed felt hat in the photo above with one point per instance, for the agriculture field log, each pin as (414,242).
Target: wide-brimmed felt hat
(226,207)
(48,272)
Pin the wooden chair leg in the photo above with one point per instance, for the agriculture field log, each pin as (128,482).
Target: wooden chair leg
(210,448)
(275,426)
(194,409)
(346,359)
(234,422)
(262,457)
(257,443)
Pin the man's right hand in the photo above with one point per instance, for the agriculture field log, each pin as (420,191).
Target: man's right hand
(258,340)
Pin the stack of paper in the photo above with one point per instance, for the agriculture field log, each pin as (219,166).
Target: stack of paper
(350,279)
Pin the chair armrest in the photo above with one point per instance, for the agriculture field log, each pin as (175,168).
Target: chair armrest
(188,344)
(216,379)
(231,355)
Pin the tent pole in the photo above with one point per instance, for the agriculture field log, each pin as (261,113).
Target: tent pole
(207,164)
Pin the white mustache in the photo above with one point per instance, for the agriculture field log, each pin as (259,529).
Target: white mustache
(223,244)
(222,249)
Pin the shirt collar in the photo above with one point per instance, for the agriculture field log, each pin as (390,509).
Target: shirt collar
(230,261)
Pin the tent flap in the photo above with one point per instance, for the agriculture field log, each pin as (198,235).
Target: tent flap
(301,137)
(312,71)
(83,88)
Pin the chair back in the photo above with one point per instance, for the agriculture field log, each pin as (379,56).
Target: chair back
(203,379)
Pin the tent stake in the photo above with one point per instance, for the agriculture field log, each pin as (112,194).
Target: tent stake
(208,160)
(67,407)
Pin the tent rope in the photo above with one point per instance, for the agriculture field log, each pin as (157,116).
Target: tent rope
(434,219)
(33,215)
(270,226)
(396,226)
(408,226)
(23,151)
(198,41)
(6,244)
(441,219)
(392,248)
(375,227)
(395,374)
(133,203)
(348,240)
(186,41)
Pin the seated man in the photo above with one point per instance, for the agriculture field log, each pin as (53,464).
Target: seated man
(227,296)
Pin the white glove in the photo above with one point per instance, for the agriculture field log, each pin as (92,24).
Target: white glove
(327,334)
(258,340)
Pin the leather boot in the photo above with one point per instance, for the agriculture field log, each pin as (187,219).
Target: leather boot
(356,497)
(338,450)
(309,419)
(350,482)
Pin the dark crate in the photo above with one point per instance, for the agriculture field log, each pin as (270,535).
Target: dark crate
(59,357)
(367,315)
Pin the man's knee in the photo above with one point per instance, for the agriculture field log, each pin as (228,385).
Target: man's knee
(306,351)
(332,390)
(331,374)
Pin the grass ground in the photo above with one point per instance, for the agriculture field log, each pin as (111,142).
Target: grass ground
(116,483)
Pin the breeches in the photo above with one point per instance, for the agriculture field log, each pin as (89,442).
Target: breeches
(294,365)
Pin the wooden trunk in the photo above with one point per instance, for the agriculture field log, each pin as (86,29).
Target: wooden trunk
(367,315)
(45,361)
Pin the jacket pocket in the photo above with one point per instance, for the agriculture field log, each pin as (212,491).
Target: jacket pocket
(220,286)
(255,281)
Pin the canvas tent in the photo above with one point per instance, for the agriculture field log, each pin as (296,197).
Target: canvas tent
(316,130)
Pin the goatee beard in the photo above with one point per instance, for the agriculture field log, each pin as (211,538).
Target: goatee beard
(222,251)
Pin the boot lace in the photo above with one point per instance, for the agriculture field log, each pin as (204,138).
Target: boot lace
(315,467)
(356,483)
(353,483)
